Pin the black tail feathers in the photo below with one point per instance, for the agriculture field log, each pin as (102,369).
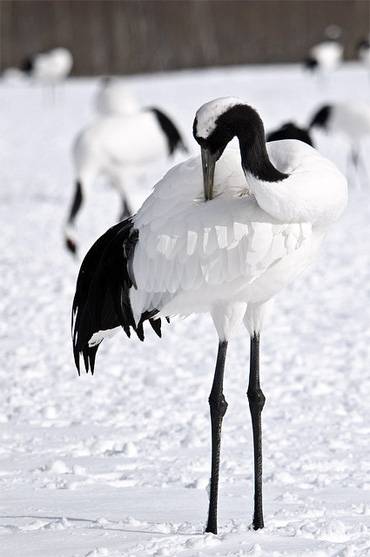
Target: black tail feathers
(171,132)
(101,301)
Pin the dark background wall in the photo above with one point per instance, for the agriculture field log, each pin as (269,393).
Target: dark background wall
(129,36)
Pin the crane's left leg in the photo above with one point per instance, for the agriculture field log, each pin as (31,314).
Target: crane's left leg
(256,400)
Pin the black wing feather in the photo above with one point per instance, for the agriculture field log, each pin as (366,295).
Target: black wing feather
(102,298)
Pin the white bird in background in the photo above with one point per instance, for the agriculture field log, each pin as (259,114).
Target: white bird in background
(114,97)
(223,245)
(350,119)
(363,52)
(326,56)
(50,67)
(115,146)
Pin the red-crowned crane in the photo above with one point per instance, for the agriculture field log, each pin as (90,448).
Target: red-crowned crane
(220,234)
(115,146)
(326,56)
(48,67)
(349,119)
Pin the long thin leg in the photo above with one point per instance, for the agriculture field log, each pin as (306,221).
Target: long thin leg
(361,163)
(218,407)
(75,207)
(355,157)
(256,400)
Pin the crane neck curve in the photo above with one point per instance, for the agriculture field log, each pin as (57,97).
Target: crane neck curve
(255,158)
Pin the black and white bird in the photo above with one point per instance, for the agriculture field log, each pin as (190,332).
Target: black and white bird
(117,146)
(290,130)
(349,119)
(326,56)
(220,234)
(49,67)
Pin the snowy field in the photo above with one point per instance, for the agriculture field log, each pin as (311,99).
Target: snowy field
(117,464)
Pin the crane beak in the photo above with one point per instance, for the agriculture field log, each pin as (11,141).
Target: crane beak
(208,165)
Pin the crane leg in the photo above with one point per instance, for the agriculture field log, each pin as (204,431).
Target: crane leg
(362,163)
(75,207)
(256,400)
(355,158)
(218,407)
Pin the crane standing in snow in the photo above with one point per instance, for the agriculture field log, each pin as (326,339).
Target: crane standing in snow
(350,119)
(114,146)
(326,56)
(48,67)
(224,245)
(363,52)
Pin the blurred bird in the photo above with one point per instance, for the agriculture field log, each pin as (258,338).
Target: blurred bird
(220,234)
(363,53)
(114,97)
(351,119)
(49,67)
(114,146)
(326,56)
(290,131)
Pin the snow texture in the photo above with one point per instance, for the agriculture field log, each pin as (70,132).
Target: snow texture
(118,464)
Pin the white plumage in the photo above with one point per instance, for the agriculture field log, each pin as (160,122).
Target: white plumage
(240,247)
(119,147)
(115,98)
(328,55)
(115,144)
(349,119)
(52,66)
(363,52)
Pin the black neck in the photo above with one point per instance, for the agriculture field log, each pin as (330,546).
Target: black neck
(255,159)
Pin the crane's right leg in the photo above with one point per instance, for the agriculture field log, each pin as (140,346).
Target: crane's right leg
(218,407)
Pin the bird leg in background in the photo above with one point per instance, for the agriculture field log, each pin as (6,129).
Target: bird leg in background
(355,161)
(75,207)
(126,211)
(256,400)
(218,407)
(355,157)
(362,164)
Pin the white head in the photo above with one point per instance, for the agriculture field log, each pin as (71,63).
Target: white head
(216,123)
(208,114)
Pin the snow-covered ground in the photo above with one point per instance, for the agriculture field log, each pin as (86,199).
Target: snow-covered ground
(117,464)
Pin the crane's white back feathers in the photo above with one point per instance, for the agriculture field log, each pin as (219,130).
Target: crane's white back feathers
(351,119)
(193,255)
(116,98)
